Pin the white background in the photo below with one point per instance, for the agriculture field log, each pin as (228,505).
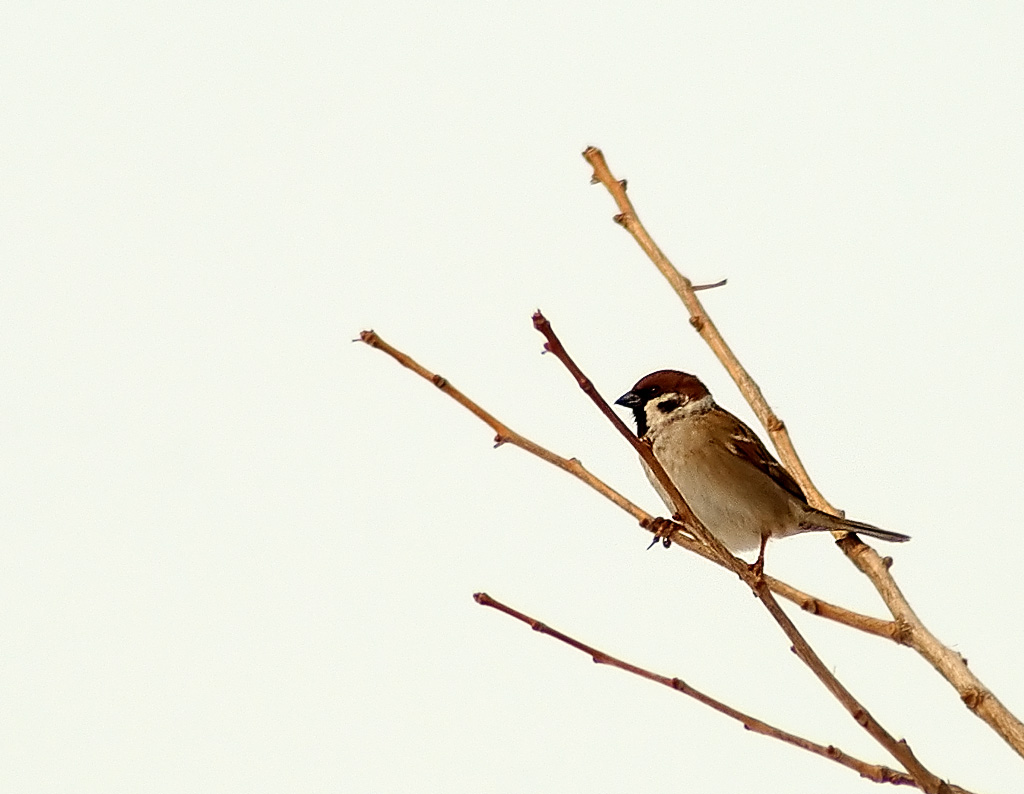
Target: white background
(239,550)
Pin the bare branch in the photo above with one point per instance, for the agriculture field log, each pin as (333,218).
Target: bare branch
(816,606)
(876,772)
(949,664)
(503,433)
(627,218)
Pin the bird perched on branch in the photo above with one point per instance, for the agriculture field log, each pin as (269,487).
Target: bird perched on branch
(727,477)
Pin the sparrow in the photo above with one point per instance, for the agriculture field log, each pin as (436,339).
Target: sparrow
(727,477)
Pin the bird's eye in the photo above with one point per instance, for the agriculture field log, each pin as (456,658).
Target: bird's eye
(668,406)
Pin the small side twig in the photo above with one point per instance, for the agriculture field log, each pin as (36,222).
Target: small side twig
(699,287)
(876,772)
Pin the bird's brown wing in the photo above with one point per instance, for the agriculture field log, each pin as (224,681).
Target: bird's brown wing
(744,444)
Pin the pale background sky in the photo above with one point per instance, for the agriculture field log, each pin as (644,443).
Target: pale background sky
(239,550)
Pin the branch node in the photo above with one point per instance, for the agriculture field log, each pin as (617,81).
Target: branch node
(810,605)
(622,183)
(776,425)
(973,697)
(499,440)
(439,380)
(620,218)
(887,562)
(901,632)
(697,321)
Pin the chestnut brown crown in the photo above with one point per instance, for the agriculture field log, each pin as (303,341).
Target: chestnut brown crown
(650,387)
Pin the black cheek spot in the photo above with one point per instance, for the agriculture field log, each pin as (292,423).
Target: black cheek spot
(668,406)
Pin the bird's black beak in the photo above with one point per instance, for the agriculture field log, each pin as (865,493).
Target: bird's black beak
(630,400)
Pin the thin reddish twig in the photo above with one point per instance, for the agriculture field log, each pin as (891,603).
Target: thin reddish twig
(899,750)
(876,772)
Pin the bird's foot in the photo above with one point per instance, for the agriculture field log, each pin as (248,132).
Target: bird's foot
(757,568)
(662,529)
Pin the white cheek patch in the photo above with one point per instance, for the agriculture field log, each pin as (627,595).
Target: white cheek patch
(701,406)
(679,407)
(664,409)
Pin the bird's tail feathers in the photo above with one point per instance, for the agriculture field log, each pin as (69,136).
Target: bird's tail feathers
(817,520)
